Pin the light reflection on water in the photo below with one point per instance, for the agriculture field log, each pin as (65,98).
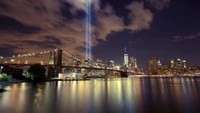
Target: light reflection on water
(120,95)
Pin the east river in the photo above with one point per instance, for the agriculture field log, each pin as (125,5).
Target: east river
(118,95)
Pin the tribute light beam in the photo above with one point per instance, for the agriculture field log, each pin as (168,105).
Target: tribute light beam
(88,30)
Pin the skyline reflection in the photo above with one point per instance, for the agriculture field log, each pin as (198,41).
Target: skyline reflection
(119,95)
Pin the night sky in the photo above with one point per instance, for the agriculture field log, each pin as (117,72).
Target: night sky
(167,29)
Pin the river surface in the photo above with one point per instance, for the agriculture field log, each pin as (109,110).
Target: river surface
(119,95)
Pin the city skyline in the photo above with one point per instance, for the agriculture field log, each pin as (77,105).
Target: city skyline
(161,28)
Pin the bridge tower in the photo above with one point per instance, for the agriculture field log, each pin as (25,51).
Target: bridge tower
(55,58)
(58,57)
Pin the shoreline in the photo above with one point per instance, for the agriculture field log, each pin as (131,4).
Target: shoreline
(12,82)
(86,79)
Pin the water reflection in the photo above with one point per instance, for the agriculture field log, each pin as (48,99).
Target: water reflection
(120,95)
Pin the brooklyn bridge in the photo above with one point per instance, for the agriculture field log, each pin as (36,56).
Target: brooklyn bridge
(56,62)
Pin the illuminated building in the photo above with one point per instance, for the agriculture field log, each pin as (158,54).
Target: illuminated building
(184,64)
(178,66)
(111,63)
(154,64)
(171,63)
(99,63)
(125,59)
(88,62)
(133,63)
(159,64)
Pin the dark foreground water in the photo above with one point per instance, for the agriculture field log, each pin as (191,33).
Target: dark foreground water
(125,95)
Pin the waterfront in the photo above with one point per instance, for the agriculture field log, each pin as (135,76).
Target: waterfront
(117,95)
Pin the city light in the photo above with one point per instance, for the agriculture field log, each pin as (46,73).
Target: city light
(12,60)
(26,62)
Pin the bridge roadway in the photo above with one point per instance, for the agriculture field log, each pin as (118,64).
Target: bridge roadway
(50,65)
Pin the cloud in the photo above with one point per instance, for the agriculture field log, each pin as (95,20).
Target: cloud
(140,17)
(53,29)
(41,13)
(180,38)
(81,4)
(159,4)
(107,23)
(47,16)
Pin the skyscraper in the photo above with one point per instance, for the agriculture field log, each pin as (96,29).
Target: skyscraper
(171,63)
(133,62)
(154,64)
(111,63)
(125,58)
(178,64)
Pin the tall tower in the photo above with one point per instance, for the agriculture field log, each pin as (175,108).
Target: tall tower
(184,64)
(58,57)
(125,58)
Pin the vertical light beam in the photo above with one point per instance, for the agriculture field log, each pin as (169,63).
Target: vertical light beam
(88,33)
(90,30)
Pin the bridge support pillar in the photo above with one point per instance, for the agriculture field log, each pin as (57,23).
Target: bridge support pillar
(124,74)
(58,70)
(58,61)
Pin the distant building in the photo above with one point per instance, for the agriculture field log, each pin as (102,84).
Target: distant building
(171,63)
(86,63)
(89,60)
(159,64)
(154,64)
(133,63)
(111,63)
(99,63)
(178,64)
(125,58)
